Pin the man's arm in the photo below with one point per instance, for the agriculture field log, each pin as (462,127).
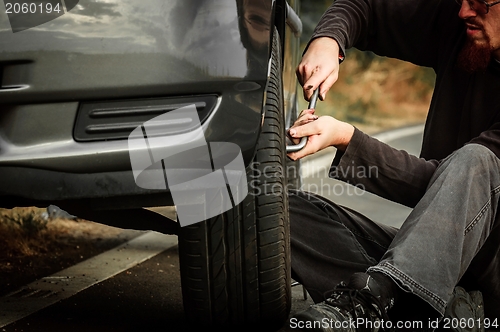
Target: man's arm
(391,173)
(410,30)
(383,170)
(364,161)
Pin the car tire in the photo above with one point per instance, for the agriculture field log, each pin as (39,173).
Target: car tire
(235,267)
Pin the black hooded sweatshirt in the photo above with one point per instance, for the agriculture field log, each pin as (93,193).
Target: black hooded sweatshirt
(465,108)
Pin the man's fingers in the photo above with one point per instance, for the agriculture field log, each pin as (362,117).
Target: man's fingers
(312,84)
(305,117)
(299,154)
(319,78)
(307,129)
(304,75)
(327,84)
(320,133)
(304,71)
(306,151)
(308,113)
(304,121)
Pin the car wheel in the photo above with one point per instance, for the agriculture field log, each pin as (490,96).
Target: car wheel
(235,268)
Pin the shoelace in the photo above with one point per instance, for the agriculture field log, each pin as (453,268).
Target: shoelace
(348,299)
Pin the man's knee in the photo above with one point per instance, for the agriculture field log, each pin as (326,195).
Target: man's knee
(472,161)
(475,151)
(473,158)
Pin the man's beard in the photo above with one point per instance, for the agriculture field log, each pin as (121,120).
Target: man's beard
(474,57)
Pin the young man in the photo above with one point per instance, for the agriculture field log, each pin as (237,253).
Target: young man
(452,236)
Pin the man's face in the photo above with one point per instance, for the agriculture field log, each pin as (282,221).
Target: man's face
(483,37)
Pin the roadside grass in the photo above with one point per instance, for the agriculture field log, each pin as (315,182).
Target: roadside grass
(32,247)
(23,232)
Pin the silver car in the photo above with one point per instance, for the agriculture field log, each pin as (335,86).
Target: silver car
(75,85)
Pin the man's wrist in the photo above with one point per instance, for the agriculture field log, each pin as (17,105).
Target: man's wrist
(345,136)
(329,40)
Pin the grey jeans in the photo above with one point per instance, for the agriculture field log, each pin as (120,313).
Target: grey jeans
(451,237)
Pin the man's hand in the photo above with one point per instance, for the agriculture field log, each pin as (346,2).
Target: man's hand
(323,132)
(319,67)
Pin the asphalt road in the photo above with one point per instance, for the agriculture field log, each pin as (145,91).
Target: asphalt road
(147,297)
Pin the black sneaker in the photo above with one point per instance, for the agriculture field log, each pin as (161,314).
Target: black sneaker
(359,306)
(464,313)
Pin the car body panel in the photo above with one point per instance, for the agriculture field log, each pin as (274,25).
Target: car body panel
(125,50)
